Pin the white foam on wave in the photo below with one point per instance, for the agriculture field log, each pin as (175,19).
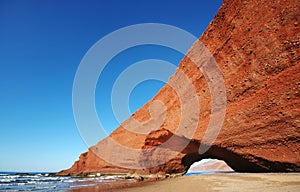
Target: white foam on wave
(42,182)
(111,177)
(7,180)
(9,176)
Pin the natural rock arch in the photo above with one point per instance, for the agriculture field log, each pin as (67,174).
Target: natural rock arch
(256,46)
(188,156)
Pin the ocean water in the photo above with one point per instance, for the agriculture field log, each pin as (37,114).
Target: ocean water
(207,173)
(11,181)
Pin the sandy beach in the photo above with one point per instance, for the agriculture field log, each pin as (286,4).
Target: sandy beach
(233,182)
(225,182)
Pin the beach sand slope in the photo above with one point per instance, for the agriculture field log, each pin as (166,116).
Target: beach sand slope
(271,182)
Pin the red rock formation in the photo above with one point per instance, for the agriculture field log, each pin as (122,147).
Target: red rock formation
(256,46)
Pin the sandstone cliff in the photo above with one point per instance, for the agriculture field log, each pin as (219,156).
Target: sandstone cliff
(256,45)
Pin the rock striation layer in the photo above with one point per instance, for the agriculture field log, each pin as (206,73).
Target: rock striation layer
(256,44)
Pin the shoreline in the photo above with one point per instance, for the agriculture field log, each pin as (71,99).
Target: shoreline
(119,185)
(226,182)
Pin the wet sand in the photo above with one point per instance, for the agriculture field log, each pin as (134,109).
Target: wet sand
(268,182)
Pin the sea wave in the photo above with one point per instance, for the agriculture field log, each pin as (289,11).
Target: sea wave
(48,182)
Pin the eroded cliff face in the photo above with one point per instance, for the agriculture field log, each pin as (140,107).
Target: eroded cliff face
(256,45)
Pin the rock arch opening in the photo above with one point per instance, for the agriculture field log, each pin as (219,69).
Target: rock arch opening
(236,162)
(209,165)
(181,164)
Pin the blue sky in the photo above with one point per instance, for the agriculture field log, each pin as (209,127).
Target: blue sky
(41,46)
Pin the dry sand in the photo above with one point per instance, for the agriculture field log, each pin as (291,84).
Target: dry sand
(270,182)
(229,182)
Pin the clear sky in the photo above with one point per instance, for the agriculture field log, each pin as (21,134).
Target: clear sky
(41,46)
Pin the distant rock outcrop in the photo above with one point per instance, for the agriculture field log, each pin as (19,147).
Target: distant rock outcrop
(210,165)
(256,44)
